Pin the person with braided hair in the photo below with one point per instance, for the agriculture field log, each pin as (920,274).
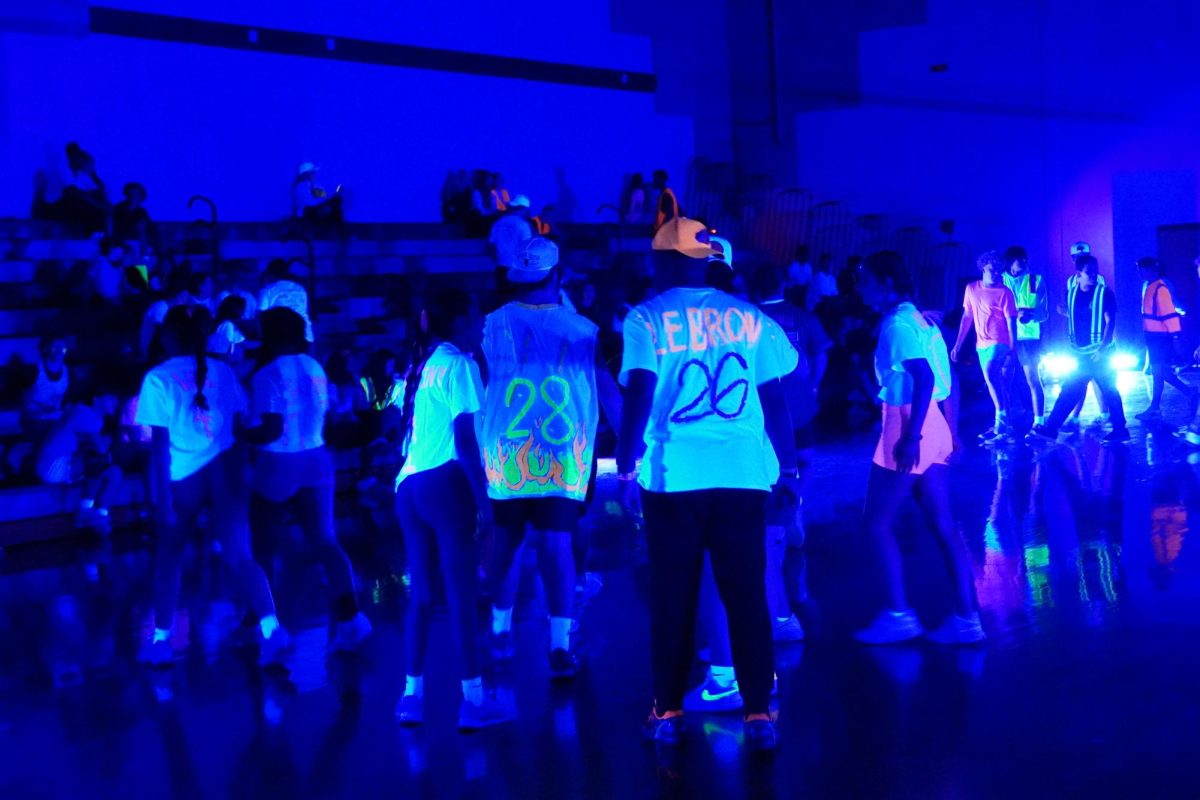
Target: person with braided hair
(440,494)
(191,404)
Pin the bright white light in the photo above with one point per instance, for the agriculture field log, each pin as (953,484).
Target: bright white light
(1124,361)
(1059,366)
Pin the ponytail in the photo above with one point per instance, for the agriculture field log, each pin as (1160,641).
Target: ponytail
(200,401)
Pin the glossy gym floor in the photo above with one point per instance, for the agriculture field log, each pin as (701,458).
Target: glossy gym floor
(1090,592)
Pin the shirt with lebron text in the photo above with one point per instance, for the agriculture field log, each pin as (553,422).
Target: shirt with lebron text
(540,410)
(709,352)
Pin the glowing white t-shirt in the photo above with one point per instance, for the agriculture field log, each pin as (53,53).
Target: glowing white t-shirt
(905,335)
(197,435)
(450,386)
(295,387)
(540,412)
(710,352)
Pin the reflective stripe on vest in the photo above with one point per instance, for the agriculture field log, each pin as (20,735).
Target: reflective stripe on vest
(1159,316)
(500,199)
(659,217)
(539,228)
(1096,332)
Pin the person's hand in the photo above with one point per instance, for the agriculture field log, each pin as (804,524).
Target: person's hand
(630,495)
(956,446)
(1025,315)
(954,354)
(907,454)
(787,489)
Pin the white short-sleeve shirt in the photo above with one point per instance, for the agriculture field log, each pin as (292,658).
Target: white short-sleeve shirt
(295,387)
(198,435)
(450,386)
(710,353)
(905,335)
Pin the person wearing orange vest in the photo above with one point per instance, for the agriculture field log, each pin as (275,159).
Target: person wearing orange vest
(500,197)
(667,205)
(1161,325)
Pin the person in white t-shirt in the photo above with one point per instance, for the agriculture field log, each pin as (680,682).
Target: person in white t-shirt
(702,373)
(439,492)
(191,403)
(293,472)
(914,449)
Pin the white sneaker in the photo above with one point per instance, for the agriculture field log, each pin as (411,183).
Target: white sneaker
(891,627)
(958,630)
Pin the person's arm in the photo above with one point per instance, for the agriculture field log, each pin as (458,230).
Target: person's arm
(964,327)
(777,420)
(468,453)
(1012,333)
(608,393)
(1110,323)
(908,448)
(1041,306)
(160,475)
(950,409)
(635,414)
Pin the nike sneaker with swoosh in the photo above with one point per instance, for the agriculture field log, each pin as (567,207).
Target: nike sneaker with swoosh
(713,698)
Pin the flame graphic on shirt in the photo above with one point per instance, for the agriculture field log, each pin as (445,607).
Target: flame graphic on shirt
(534,469)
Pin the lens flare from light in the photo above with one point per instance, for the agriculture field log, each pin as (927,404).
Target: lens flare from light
(1058,366)
(1124,361)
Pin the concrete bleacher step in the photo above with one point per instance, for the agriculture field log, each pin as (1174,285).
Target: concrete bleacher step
(58,249)
(28,322)
(23,347)
(17,271)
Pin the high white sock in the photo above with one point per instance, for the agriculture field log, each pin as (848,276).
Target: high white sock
(501,620)
(414,685)
(560,633)
(268,625)
(722,676)
(1040,419)
(473,691)
(161,635)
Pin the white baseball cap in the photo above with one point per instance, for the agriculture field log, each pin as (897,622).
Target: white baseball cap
(307,166)
(536,259)
(1081,249)
(520,201)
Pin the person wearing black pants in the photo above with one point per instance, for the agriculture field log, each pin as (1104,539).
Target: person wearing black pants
(702,373)
(1091,321)
(686,525)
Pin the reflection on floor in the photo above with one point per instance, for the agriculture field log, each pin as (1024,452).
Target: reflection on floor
(1089,590)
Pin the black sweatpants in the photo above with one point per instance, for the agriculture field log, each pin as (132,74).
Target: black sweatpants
(731,525)
(1075,387)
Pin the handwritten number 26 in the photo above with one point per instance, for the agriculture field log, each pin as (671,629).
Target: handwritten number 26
(711,397)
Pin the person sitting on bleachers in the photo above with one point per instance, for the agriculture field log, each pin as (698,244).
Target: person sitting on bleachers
(42,406)
(75,195)
(77,451)
(310,201)
(107,273)
(131,222)
(280,288)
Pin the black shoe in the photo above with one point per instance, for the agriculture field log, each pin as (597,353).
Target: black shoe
(1041,433)
(1116,436)
(761,736)
(563,665)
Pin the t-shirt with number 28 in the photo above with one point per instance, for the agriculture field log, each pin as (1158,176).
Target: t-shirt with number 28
(540,411)
(710,352)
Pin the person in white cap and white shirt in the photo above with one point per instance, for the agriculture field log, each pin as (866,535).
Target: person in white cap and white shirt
(509,234)
(310,201)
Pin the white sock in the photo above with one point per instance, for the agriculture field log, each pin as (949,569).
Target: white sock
(1040,420)
(722,676)
(501,620)
(85,504)
(560,633)
(782,620)
(414,685)
(268,625)
(473,691)
(161,635)
(999,418)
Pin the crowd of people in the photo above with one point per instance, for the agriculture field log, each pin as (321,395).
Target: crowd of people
(706,377)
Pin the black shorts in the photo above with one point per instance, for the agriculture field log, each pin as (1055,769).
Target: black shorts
(541,513)
(1160,349)
(1029,352)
